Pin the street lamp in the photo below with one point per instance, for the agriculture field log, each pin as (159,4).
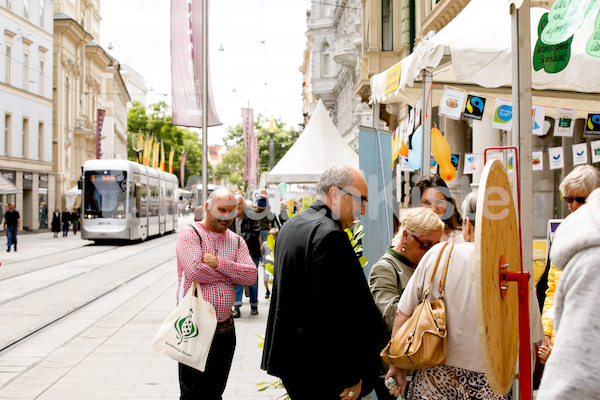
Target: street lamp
(271,148)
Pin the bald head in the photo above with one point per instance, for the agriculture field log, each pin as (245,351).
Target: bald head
(221,210)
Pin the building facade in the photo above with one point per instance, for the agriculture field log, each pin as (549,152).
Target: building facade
(26,157)
(86,80)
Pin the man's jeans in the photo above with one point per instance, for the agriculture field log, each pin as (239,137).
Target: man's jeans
(11,236)
(239,291)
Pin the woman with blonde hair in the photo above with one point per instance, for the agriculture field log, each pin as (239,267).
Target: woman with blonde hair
(420,229)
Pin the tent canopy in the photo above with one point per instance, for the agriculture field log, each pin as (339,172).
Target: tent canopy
(473,52)
(318,148)
(7,187)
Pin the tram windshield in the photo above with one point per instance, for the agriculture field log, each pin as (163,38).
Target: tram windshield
(105,194)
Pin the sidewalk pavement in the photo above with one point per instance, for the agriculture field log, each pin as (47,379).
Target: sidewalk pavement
(112,360)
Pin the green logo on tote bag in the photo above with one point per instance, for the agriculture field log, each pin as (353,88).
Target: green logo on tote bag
(185,328)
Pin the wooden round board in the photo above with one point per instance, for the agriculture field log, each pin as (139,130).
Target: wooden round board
(496,239)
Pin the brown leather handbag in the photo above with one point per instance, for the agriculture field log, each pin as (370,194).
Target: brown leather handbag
(421,341)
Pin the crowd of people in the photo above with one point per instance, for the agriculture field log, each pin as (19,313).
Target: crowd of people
(327,322)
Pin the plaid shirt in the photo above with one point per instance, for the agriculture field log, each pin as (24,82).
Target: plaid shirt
(235,266)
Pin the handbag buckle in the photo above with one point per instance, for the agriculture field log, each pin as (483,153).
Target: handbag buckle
(439,333)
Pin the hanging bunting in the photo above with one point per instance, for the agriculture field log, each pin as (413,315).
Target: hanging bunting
(451,103)
(537,120)
(595,151)
(404,165)
(511,164)
(556,157)
(537,161)
(454,159)
(418,113)
(474,108)
(433,166)
(580,154)
(473,163)
(411,121)
(502,115)
(565,122)
(592,125)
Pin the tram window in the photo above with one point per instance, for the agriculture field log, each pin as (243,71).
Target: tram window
(138,200)
(105,194)
(144,200)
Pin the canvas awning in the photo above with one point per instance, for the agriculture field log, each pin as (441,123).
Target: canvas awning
(319,147)
(473,52)
(7,187)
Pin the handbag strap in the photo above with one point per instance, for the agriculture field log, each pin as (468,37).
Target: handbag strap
(445,272)
(434,270)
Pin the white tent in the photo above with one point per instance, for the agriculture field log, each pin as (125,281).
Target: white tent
(318,148)
(71,197)
(473,52)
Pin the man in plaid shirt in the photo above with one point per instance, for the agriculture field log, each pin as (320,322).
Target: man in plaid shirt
(218,259)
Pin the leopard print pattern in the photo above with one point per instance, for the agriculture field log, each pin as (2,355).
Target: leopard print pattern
(451,383)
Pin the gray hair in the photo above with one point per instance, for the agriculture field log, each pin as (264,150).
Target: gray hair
(583,178)
(338,176)
(469,207)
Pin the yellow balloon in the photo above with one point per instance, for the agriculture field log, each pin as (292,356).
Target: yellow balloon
(440,150)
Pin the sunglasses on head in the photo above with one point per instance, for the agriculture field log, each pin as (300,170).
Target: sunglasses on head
(570,199)
(423,245)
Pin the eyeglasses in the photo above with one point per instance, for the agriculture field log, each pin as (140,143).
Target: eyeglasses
(363,199)
(579,199)
(423,245)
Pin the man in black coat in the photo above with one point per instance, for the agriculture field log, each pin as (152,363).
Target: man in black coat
(249,230)
(323,334)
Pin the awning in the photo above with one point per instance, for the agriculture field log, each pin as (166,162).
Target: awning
(7,187)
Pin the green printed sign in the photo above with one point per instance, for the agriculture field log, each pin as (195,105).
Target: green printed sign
(593,44)
(565,17)
(552,58)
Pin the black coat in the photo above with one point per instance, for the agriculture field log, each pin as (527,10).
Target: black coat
(251,234)
(323,324)
(65,218)
(55,221)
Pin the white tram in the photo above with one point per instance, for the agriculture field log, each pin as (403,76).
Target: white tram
(125,200)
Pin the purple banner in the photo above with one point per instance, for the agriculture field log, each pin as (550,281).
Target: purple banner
(182,171)
(186,65)
(247,127)
(99,122)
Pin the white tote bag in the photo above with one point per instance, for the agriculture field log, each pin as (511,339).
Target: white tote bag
(186,336)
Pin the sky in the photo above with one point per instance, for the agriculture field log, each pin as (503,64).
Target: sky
(262,42)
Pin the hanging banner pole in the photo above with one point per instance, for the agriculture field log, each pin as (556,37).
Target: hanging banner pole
(204,101)
(426,122)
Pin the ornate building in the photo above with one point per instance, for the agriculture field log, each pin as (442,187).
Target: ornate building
(26,120)
(86,79)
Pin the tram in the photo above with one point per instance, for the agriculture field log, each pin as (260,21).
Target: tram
(125,200)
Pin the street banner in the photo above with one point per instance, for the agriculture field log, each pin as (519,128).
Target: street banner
(182,170)
(186,65)
(565,122)
(171,155)
(580,154)
(162,156)
(140,147)
(537,120)
(557,158)
(537,160)
(247,125)
(451,103)
(99,122)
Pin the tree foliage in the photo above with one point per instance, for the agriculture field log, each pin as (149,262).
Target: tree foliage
(232,164)
(155,121)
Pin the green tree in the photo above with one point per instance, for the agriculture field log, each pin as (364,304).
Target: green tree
(156,121)
(283,139)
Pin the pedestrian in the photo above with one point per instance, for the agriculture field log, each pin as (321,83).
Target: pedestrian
(420,230)
(65,218)
(323,334)
(12,224)
(209,253)
(249,230)
(56,222)
(572,369)
(267,218)
(75,220)
(266,251)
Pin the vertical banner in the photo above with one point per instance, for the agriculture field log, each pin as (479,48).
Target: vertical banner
(182,169)
(140,147)
(171,155)
(148,151)
(537,120)
(580,154)
(503,115)
(537,160)
(99,122)
(247,125)
(556,156)
(451,103)
(186,65)
(565,122)
(375,161)
(253,173)
(162,156)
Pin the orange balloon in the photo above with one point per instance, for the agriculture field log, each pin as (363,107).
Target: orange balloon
(404,149)
(440,150)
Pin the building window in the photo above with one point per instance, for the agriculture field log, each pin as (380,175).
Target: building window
(386,25)
(325,60)
(42,12)
(7,133)
(26,9)
(40,155)
(8,63)
(41,78)
(26,71)
(25,137)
